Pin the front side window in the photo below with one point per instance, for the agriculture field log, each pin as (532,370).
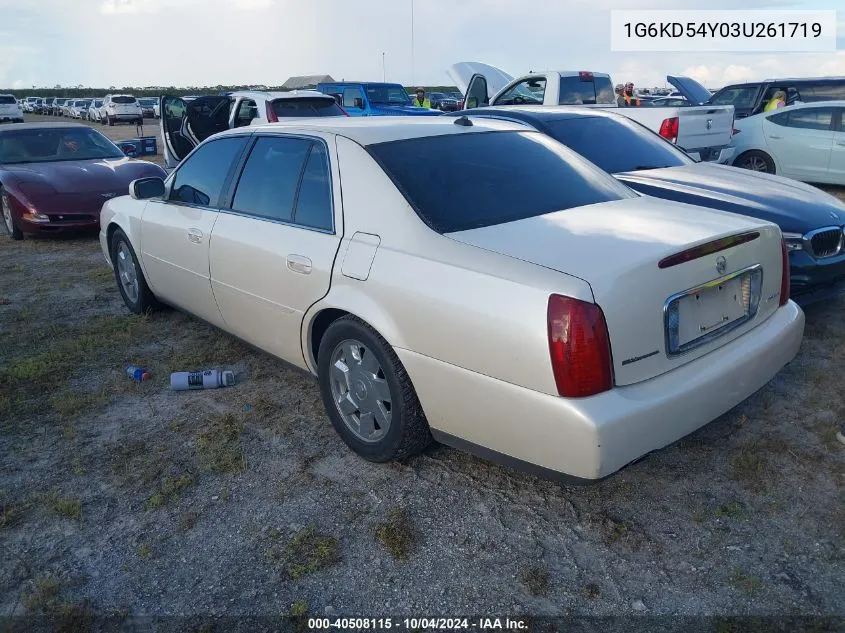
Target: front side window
(200,178)
(270,178)
(463,181)
(247,111)
(529,91)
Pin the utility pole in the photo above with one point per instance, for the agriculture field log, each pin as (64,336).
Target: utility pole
(412,43)
(383,68)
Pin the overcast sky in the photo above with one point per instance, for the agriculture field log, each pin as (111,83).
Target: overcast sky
(210,42)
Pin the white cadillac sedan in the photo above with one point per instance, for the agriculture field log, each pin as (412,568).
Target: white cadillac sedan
(470,281)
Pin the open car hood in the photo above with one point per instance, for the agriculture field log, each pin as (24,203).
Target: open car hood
(694,92)
(462,72)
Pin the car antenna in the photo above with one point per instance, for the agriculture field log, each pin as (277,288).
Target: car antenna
(464,121)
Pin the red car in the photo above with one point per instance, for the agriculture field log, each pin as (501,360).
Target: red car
(55,177)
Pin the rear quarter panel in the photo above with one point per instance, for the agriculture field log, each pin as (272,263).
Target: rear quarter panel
(437,297)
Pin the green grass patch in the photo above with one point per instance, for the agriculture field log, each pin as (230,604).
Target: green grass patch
(397,535)
(536,580)
(169,490)
(65,507)
(219,446)
(308,551)
(749,584)
(69,403)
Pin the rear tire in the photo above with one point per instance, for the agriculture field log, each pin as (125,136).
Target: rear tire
(367,393)
(130,278)
(8,218)
(755,160)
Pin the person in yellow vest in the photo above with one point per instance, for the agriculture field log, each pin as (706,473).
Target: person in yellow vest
(777,101)
(421,101)
(630,98)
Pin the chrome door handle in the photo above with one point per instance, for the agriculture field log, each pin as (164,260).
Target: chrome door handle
(194,236)
(299,264)
(776,137)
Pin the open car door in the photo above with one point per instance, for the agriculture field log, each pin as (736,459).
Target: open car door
(185,124)
(478,82)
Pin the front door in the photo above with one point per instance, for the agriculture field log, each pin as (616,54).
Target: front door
(175,231)
(836,171)
(272,252)
(185,124)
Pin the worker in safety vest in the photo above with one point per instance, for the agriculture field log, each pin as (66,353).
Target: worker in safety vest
(777,101)
(630,98)
(421,101)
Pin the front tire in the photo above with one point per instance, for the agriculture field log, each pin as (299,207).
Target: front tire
(756,160)
(8,219)
(130,278)
(367,393)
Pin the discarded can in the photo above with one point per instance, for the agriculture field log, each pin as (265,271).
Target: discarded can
(137,374)
(209,379)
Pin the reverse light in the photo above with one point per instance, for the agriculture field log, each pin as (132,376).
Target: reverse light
(784,274)
(669,129)
(579,347)
(272,117)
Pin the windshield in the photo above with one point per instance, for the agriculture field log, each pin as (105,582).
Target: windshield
(465,181)
(306,107)
(387,94)
(55,144)
(123,99)
(8,100)
(617,144)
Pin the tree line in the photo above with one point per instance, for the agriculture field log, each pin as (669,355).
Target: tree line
(85,92)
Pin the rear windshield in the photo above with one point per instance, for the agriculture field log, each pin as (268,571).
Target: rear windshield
(576,91)
(457,182)
(8,100)
(123,99)
(60,101)
(306,107)
(600,139)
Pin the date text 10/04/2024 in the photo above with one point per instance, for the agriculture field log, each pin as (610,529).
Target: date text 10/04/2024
(412,624)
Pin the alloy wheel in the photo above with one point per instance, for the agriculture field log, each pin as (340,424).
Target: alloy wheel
(756,163)
(7,214)
(126,271)
(360,390)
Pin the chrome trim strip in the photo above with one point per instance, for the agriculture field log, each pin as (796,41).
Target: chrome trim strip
(702,340)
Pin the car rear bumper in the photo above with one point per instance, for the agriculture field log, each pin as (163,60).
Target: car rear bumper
(590,438)
(126,117)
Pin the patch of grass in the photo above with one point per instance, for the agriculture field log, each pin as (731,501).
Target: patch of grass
(748,468)
(591,591)
(188,521)
(828,435)
(144,550)
(298,609)
(731,509)
(100,274)
(397,534)
(214,348)
(536,580)
(747,583)
(66,507)
(168,490)
(219,445)
(43,597)
(307,552)
(68,403)
(11,514)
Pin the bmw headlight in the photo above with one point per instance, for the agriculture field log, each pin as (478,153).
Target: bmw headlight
(794,241)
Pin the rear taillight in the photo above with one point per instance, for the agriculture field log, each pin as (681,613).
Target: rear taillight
(585,75)
(579,347)
(784,275)
(669,129)
(271,113)
(708,248)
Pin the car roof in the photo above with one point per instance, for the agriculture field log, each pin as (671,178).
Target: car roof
(529,113)
(292,94)
(41,126)
(372,130)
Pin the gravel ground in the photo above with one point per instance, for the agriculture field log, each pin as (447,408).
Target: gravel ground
(130,499)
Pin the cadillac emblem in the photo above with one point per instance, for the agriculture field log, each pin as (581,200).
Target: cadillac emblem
(721,265)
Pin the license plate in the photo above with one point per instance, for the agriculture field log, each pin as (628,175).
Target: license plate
(710,309)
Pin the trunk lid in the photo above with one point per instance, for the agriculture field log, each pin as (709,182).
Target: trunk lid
(694,92)
(616,248)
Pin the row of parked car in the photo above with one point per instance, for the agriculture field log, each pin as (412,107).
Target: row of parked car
(632,292)
(108,110)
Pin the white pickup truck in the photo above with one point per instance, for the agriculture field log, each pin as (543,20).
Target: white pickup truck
(702,131)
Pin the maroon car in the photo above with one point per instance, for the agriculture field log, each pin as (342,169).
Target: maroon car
(54,177)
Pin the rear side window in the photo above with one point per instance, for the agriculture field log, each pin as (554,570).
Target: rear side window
(200,178)
(306,107)
(270,179)
(314,202)
(739,96)
(824,91)
(7,100)
(470,180)
(577,91)
(805,118)
(123,99)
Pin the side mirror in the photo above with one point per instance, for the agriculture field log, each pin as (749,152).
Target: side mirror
(146,188)
(358,102)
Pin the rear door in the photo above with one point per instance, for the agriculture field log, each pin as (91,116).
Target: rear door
(801,140)
(836,169)
(273,249)
(185,124)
